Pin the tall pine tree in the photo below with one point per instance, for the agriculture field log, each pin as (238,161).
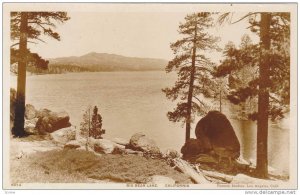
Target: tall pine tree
(192,67)
(27,26)
(272,83)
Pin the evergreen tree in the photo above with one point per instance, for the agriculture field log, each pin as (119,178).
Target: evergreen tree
(273,75)
(219,92)
(96,130)
(35,63)
(241,66)
(91,125)
(27,26)
(192,67)
(85,125)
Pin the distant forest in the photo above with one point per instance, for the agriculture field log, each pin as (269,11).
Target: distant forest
(66,68)
(59,69)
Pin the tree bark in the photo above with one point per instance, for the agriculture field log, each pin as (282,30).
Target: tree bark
(191,88)
(18,129)
(263,97)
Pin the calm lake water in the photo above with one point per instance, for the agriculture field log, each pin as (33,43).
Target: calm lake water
(131,102)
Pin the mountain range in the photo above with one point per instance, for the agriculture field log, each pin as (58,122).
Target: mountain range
(109,62)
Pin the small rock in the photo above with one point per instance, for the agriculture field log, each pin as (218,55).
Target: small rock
(30,112)
(20,155)
(31,121)
(64,135)
(241,160)
(170,153)
(30,129)
(103,146)
(73,144)
(159,180)
(83,148)
(29,126)
(118,151)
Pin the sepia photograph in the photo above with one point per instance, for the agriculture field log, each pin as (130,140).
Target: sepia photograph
(150,96)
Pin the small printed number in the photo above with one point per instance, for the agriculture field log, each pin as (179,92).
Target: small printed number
(9,192)
(15,184)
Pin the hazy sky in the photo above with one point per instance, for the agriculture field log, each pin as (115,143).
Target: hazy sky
(147,34)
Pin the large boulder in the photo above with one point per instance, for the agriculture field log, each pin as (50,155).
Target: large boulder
(215,131)
(49,122)
(192,147)
(140,142)
(64,135)
(30,112)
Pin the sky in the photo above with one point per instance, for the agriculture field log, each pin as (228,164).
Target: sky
(133,34)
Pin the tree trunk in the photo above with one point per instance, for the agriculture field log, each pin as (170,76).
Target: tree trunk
(220,100)
(263,97)
(18,129)
(191,88)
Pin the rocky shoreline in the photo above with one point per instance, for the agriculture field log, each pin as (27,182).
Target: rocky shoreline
(51,131)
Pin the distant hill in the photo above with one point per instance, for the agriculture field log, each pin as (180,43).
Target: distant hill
(106,62)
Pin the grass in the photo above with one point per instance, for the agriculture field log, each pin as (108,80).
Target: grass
(78,166)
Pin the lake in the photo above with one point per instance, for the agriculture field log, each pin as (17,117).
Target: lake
(131,102)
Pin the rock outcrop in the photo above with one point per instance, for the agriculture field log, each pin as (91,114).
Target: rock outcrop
(217,134)
(140,142)
(64,135)
(49,122)
(103,146)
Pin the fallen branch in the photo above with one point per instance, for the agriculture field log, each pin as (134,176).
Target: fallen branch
(187,169)
(218,176)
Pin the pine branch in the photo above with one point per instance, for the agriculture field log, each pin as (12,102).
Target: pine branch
(246,16)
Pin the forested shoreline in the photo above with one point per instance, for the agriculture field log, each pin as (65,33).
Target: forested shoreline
(253,77)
